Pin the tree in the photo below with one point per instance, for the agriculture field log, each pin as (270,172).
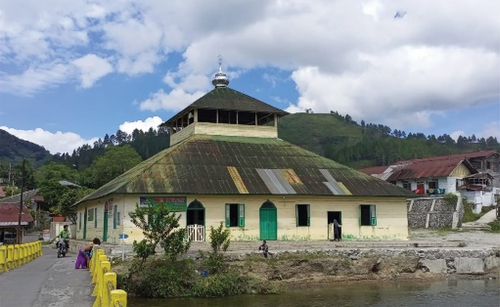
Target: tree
(160,227)
(115,161)
(66,201)
(219,241)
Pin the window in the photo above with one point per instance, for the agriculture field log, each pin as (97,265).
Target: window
(433,184)
(407,185)
(95,217)
(80,221)
(235,215)
(90,214)
(302,215)
(368,215)
(488,165)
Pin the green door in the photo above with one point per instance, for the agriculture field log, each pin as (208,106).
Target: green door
(105,226)
(268,217)
(85,224)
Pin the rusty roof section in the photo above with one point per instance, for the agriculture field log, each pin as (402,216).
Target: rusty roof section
(441,166)
(224,98)
(9,214)
(224,165)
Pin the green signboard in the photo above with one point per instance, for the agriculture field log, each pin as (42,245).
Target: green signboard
(174,203)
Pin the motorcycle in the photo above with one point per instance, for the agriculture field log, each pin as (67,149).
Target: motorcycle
(61,248)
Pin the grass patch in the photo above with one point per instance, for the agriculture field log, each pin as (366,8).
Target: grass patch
(469,215)
(495,226)
(162,278)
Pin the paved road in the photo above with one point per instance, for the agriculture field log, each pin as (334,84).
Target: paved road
(46,282)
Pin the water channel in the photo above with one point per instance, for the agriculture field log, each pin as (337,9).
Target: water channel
(455,293)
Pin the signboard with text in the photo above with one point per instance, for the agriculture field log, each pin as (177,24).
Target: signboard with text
(174,203)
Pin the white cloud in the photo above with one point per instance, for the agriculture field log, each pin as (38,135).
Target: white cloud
(35,79)
(59,142)
(489,129)
(92,68)
(150,122)
(455,134)
(350,56)
(409,83)
(176,100)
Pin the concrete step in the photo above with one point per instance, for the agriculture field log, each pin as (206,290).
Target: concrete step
(475,226)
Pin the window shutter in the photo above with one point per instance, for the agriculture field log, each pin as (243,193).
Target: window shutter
(296,215)
(115,210)
(241,215)
(308,215)
(373,215)
(228,207)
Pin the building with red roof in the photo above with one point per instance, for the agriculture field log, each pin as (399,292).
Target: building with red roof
(9,220)
(473,175)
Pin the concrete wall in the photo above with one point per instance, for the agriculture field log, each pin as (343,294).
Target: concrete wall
(391,217)
(432,212)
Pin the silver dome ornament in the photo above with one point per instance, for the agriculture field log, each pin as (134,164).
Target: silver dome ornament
(220,79)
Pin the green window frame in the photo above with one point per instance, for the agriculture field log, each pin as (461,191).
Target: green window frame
(368,215)
(235,215)
(115,213)
(95,217)
(302,215)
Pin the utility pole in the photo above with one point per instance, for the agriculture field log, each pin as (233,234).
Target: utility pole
(19,229)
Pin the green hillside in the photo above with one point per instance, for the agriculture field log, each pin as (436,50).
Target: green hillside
(316,132)
(13,150)
(362,145)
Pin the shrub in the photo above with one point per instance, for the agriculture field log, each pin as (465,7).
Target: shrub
(469,215)
(495,226)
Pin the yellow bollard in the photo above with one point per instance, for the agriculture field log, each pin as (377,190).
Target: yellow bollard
(103,286)
(100,260)
(10,257)
(16,255)
(120,297)
(3,259)
(22,254)
(31,251)
(39,249)
(93,263)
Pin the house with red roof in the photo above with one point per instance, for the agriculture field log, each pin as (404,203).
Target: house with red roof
(474,175)
(9,221)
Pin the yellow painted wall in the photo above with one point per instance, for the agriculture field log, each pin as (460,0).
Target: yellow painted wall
(460,171)
(392,220)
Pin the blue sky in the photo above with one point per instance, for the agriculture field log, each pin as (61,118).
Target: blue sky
(73,71)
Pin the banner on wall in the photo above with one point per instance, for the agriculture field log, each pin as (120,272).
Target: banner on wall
(174,203)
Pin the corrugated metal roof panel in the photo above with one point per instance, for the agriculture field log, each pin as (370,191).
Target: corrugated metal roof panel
(201,165)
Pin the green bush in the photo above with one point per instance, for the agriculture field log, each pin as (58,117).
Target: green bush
(451,200)
(469,215)
(221,285)
(495,226)
(162,278)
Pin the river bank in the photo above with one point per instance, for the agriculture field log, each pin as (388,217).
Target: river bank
(289,269)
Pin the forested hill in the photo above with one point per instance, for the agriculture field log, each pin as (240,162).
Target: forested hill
(332,135)
(13,150)
(361,145)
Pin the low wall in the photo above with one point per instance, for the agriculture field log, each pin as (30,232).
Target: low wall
(433,212)
(370,264)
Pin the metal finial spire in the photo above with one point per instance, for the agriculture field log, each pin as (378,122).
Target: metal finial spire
(220,79)
(220,63)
